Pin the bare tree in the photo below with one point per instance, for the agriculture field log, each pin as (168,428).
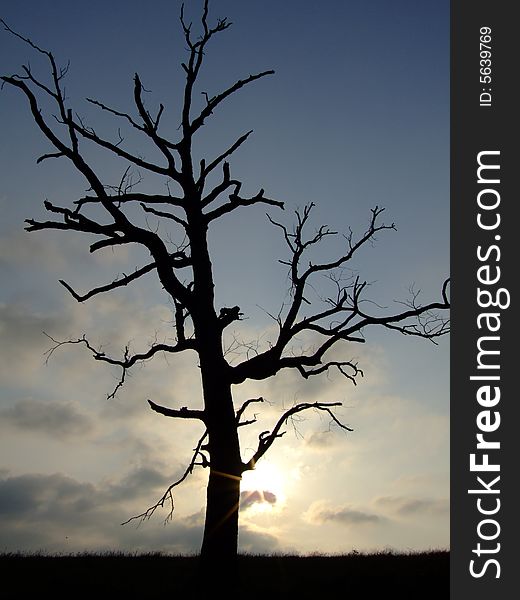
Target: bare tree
(110,214)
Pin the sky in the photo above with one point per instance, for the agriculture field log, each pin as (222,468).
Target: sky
(356,115)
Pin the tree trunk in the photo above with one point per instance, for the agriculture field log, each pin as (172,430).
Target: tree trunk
(220,541)
(223,492)
(218,567)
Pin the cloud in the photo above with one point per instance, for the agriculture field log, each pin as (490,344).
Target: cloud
(20,249)
(256,542)
(406,506)
(57,513)
(22,342)
(44,497)
(196,518)
(319,513)
(248,498)
(139,481)
(56,253)
(62,420)
(322,440)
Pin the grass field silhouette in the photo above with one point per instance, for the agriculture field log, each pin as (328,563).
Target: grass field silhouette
(388,574)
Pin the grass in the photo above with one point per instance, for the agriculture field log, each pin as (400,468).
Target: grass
(417,575)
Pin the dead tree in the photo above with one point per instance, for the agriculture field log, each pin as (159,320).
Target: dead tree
(338,319)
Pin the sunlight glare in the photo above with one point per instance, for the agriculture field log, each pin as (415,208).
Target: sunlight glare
(266,477)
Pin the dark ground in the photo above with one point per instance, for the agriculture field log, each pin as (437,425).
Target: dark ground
(418,576)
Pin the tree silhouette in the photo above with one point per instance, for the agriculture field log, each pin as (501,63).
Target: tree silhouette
(207,192)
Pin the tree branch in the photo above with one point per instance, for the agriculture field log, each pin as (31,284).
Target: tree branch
(228,315)
(123,281)
(72,220)
(340,365)
(267,438)
(344,319)
(235,201)
(150,128)
(207,169)
(133,197)
(91,135)
(168,496)
(117,113)
(216,100)
(183,413)
(49,155)
(243,408)
(226,183)
(128,360)
(192,70)
(164,215)
(427,323)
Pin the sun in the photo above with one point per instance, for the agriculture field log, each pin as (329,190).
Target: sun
(268,480)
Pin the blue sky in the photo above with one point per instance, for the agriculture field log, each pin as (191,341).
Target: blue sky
(356,115)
